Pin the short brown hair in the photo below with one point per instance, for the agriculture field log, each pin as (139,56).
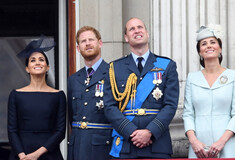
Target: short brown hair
(87,28)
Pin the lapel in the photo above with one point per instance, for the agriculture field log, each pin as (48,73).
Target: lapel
(81,76)
(149,64)
(132,65)
(198,79)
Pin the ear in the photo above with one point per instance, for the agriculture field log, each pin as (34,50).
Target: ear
(48,67)
(78,48)
(100,43)
(126,38)
(27,70)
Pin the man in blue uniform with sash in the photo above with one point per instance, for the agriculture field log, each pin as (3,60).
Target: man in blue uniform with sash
(91,132)
(141,98)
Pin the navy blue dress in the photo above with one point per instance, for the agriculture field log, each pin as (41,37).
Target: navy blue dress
(36,119)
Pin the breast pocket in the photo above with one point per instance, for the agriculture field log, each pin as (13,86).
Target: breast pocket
(77,100)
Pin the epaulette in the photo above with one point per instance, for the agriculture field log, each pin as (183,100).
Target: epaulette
(119,59)
(163,57)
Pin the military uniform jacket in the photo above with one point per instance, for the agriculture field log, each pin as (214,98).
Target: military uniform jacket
(157,124)
(87,144)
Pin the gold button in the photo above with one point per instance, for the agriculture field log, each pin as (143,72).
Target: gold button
(84,117)
(87,90)
(85,103)
(83,125)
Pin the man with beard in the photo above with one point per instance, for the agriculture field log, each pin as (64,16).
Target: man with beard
(91,132)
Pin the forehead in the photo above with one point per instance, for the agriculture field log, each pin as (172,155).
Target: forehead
(36,54)
(87,34)
(209,39)
(134,22)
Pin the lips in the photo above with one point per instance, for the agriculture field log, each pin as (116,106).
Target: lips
(88,48)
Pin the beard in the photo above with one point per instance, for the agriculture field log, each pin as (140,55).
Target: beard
(90,55)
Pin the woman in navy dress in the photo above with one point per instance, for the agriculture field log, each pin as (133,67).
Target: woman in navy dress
(36,113)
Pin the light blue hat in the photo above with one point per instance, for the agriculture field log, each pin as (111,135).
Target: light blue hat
(210,31)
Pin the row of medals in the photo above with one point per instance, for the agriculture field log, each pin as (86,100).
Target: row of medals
(99,89)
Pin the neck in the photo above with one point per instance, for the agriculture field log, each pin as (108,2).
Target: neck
(90,63)
(212,67)
(140,50)
(38,82)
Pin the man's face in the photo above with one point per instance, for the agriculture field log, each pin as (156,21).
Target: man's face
(89,46)
(136,33)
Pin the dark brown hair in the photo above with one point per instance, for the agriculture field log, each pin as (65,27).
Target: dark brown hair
(201,59)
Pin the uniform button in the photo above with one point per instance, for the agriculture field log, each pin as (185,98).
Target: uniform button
(87,90)
(84,117)
(68,142)
(141,78)
(107,142)
(73,97)
(123,85)
(85,103)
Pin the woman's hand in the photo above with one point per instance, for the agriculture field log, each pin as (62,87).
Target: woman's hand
(35,155)
(216,147)
(22,156)
(198,147)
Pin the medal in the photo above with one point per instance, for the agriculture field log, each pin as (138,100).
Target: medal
(97,90)
(159,78)
(87,81)
(97,94)
(154,78)
(101,94)
(102,88)
(157,93)
(100,104)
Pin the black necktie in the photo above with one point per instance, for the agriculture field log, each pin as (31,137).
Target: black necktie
(90,71)
(140,67)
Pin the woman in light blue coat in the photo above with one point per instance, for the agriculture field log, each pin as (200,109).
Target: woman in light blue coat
(209,104)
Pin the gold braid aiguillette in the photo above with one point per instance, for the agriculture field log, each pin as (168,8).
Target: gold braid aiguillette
(130,89)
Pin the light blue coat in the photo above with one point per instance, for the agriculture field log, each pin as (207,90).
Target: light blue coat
(209,111)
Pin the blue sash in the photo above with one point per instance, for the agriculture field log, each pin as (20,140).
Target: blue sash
(143,90)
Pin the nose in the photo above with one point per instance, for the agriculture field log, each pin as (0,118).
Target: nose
(208,45)
(87,42)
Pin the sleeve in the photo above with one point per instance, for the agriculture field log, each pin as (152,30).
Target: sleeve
(231,124)
(13,124)
(59,132)
(188,113)
(120,123)
(161,122)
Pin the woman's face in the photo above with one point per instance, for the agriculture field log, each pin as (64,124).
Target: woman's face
(37,64)
(210,48)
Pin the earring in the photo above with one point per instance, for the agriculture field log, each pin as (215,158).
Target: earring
(220,55)
(201,58)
